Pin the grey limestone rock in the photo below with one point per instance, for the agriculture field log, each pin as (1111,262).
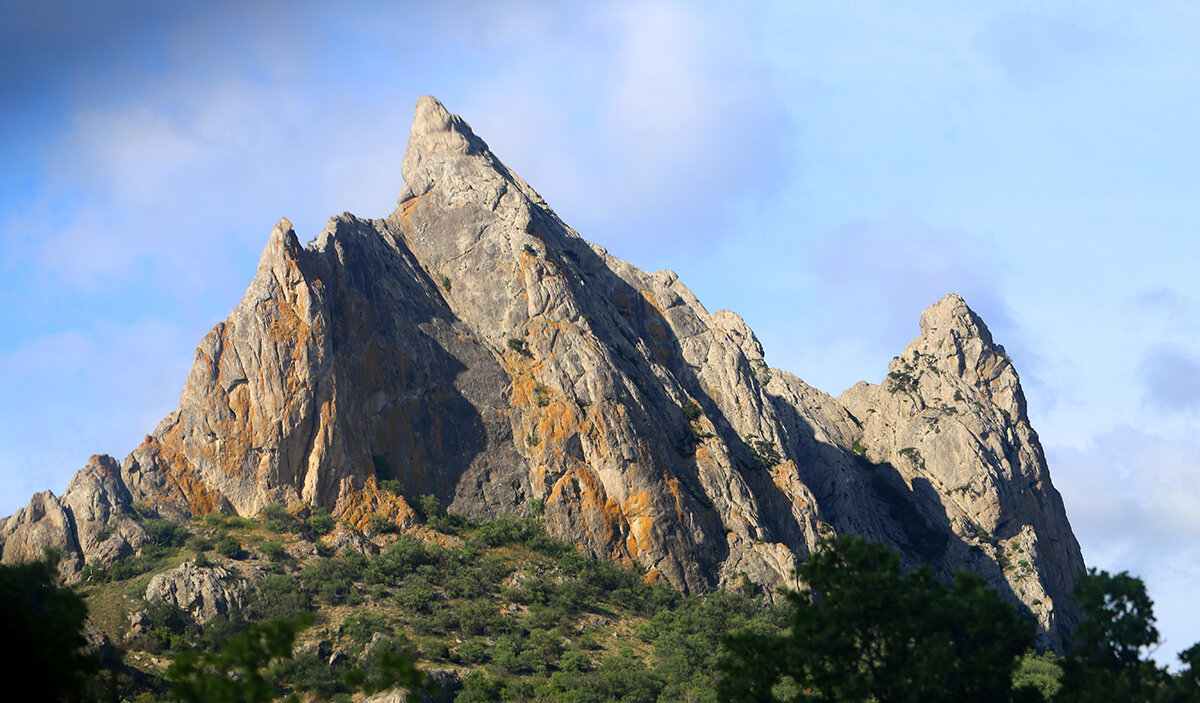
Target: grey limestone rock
(473,346)
(203,592)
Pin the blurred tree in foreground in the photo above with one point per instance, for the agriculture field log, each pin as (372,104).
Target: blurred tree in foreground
(42,623)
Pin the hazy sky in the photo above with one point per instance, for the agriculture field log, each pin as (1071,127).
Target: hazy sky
(826,169)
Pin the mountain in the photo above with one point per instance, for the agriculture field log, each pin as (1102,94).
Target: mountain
(474,347)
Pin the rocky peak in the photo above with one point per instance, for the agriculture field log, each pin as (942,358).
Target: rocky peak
(955,341)
(473,347)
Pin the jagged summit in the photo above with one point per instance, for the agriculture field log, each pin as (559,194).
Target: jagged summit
(473,347)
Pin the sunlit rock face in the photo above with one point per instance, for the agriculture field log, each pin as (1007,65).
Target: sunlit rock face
(472,346)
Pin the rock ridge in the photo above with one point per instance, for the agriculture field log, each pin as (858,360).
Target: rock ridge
(474,347)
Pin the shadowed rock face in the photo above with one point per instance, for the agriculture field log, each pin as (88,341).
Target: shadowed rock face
(473,346)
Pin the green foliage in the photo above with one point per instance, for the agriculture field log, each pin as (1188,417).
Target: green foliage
(168,628)
(388,664)
(620,677)
(901,381)
(318,524)
(276,518)
(860,450)
(1040,672)
(429,507)
(141,511)
(518,345)
(363,626)
(273,550)
(765,453)
(393,486)
(445,281)
(42,624)
(229,547)
(277,596)
(540,395)
(1109,659)
(257,665)
(237,674)
(691,411)
(381,525)
(165,537)
(332,580)
(537,508)
(868,631)
(123,568)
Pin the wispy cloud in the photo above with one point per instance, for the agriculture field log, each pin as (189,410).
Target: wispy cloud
(1171,378)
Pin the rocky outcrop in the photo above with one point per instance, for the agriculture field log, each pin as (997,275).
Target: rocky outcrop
(472,346)
(203,592)
(950,420)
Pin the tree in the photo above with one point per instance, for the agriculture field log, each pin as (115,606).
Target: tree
(1110,657)
(867,631)
(43,621)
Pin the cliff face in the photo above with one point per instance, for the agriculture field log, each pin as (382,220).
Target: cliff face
(473,346)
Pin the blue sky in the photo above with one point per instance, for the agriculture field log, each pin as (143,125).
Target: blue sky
(826,169)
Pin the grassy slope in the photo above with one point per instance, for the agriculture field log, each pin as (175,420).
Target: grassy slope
(516,615)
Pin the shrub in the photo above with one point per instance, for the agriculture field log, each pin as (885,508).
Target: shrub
(415,593)
(143,511)
(388,664)
(320,522)
(363,626)
(518,345)
(537,507)
(274,550)
(381,525)
(168,627)
(276,518)
(229,547)
(277,596)
(329,578)
(165,533)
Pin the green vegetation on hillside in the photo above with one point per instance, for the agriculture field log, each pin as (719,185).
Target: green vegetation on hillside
(517,616)
(514,613)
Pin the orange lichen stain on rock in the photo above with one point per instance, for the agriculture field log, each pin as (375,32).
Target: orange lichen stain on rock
(199,499)
(638,511)
(282,321)
(676,494)
(601,516)
(652,577)
(407,208)
(356,506)
(786,477)
(558,422)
